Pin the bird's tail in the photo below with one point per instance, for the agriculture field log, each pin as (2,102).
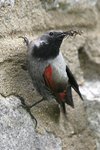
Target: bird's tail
(63,108)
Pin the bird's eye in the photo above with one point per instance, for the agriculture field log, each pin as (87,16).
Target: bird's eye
(51,33)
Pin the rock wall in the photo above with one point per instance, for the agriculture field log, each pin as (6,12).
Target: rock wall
(30,18)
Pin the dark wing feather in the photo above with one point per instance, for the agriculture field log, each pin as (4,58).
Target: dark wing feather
(73,81)
(69,99)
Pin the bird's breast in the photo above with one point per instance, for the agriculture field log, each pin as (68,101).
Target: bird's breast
(58,66)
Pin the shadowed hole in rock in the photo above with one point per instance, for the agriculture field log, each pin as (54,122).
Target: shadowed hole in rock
(24,67)
(91,70)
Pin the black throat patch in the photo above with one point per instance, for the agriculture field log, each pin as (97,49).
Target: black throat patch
(46,51)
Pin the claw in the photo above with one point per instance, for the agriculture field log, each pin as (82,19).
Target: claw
(27,108)
(25,40)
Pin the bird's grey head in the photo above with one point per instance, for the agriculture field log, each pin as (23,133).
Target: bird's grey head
(47,44)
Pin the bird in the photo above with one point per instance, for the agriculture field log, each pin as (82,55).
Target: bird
(48,70)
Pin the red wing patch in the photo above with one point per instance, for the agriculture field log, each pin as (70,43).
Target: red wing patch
(54,87)
(61,95)
(48,76)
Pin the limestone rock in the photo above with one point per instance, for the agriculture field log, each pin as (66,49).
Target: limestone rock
(17,129)
(89,62)
(23,16)
(29,18)
(93,113)
(67,5)
(98,5)
(92,48)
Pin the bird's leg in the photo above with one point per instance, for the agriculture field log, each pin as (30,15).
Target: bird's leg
(28,107)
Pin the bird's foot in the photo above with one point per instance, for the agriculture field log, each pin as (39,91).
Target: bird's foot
(27,107)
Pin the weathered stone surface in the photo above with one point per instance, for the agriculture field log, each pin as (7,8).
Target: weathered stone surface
(5,3)
(24,16)
(98,5)
(91,89)
(29,18)
(71,13)
(67,5)
(93,113)
(89,62)
(92,48)
(15,79)
(17,129)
